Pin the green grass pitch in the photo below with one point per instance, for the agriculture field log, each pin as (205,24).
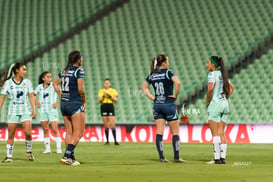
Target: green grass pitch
(138,162)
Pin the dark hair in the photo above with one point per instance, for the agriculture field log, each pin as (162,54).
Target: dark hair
(221,64)
(42,75)
(12,70)
(160,59)
(73,57)
(107,79)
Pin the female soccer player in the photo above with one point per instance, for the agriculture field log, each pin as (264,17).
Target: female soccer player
(20,93)
(47,109)
(107,96)
(164,109)
(219,90)
(73,104)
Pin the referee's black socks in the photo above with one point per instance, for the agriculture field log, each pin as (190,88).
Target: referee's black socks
(106,130)
(114,134)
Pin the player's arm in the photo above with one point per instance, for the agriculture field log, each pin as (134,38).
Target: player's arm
(209,93)
(81,91)
(177,87)
(32,103)
(231,88)
(2,100)
(37,102)
(56,85)
(114,98)
(146,91)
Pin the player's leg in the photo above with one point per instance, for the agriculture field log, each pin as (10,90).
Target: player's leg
(68,128)
(106,128)
(58,141)
(112,123)
(223,146)
(10,142)
(45,127)
(214,127)
(160,127)
(27,126)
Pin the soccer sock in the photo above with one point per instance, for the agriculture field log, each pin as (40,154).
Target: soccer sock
(106,130)
(69,150)
(223,150)
(114,134)
(176,146)
(28,145)
(159,145)
(47,143)
(58,142)
(9,148)
(216,147)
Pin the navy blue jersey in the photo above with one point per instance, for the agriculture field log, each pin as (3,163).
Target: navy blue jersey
(69,84)
(163,85)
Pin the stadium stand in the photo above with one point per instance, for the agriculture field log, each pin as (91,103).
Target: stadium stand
(122,45)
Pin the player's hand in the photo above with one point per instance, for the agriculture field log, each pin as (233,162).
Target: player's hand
(33,114)
(55,105)
(38,105)
(84,107)
(172,96)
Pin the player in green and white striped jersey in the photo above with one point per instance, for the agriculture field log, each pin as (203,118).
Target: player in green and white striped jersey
(47,105)
(20,94)
(219,90)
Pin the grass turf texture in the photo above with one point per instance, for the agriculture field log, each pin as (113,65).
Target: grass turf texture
(139,162)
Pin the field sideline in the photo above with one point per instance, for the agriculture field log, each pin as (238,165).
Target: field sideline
(138,162)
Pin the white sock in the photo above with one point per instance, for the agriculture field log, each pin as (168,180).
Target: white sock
(47,143)
(223,150)
(28,145)
(58,142)
(216,147)
(9,148)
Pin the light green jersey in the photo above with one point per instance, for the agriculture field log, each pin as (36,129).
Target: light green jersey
(47,97)
(18,95)
(218,91)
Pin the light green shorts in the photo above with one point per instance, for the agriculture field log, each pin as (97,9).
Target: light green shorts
(49,116)
(218,111)
(19,118)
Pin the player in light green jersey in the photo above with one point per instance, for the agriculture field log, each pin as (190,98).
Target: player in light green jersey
(47,105)
(219,90)
(21,106)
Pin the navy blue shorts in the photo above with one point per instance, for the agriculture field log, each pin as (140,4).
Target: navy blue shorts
(68,108)
(166,111)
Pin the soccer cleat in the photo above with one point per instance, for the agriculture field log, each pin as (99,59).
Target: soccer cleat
(215,161)
(47,152)
(223,160)
(76,163)
(59,151)
(163,160)
(116,143)
(69,161)
(107,143)
(7,160)
(30,156)
(179,161)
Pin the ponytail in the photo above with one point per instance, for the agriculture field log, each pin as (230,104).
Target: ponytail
(224,76)
(73,57)
(157,62)
(12,70)
(154,67)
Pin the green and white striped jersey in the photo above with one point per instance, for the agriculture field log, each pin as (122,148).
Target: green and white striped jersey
(47,97)
(218,91)
(18,95)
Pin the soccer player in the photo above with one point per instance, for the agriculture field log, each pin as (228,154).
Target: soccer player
(107,96)
(73,104)
(162,80)
(20,93)
(47,109)
(219,90)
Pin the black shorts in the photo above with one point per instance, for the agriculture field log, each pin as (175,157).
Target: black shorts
(68,108)
(107,110)
(167,111)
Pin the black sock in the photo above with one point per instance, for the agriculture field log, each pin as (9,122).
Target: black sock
(69,150)
(159,145)
(176,146)
(106,130)
(114,134)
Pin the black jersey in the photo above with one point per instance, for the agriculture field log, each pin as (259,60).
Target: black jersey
(163,85)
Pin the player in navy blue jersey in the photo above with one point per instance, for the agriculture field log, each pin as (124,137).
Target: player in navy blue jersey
(162,80)
(73,103)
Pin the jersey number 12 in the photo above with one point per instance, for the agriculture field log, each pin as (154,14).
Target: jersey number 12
(65,83)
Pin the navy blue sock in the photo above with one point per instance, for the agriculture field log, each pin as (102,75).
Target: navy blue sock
(69,150)
(106,130)
(114,134)
(176,146)
(159,145)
